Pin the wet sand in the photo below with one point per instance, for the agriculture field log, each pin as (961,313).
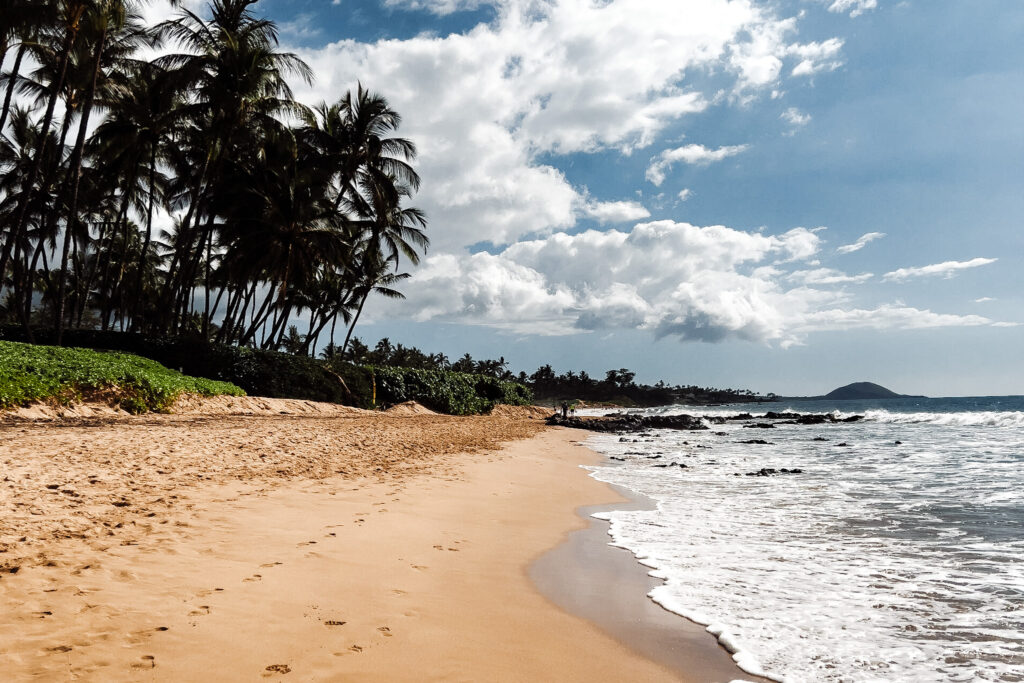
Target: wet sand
(291,547)
(590,578)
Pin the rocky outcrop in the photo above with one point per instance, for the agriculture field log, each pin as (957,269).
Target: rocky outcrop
(629,423)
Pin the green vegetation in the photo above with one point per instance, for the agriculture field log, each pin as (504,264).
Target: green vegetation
(454,393)
(282,375)
(617,386)
(35,373)
(278,210)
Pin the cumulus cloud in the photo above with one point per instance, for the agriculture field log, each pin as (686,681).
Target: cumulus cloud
(708,284)
(861,242)
(551,78)
(816,57)
(615,212)
(854,7)
(697,155)
(685,194)
(947,269)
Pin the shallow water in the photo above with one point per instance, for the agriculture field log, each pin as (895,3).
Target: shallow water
(880,562)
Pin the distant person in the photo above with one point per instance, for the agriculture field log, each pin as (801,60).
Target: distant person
(565,410)
(572,410)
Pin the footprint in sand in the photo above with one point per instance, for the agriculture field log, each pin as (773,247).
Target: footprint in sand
(254,577)
(267,565)
(385,631)
(148,662)
(60,648)
(299,545)
(419,567)
(200,611)
(279,668)
(334,622)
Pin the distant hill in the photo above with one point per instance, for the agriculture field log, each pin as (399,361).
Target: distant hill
(852,392)
(863,390)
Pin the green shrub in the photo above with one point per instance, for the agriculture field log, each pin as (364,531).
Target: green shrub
(33,373)
(453,393)
(282,375)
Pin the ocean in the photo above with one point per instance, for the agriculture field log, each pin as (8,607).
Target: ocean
(879,561)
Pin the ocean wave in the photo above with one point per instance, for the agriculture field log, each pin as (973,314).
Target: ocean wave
(962,419)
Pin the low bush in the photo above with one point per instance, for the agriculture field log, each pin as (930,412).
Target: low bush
(454,393)
(34,373)
(282,375)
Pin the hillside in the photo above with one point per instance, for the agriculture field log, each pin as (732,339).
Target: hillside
(862,390)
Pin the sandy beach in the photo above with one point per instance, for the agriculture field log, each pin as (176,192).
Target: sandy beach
(318,544)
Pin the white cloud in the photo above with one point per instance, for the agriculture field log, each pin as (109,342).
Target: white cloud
(553,77)
(827,276)
(861,242)
(890,316)
(441,7)
(615,212)
(854,7)
(795,117)
(685,194)
(697,155)
(983,300)
(816,57)
(673,279)
(947,269)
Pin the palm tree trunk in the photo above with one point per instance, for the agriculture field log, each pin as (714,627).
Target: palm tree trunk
(122,217)
(137,303)
(352,327)
(13,77)
(28,195)
(76,175)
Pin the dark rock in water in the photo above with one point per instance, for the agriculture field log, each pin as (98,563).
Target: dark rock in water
(721,433)
(760,425)
(662,465)
(819,438)
(761,442)
(770,471)
(615,457)
(898,443)
(741,416)
(653,457)
(842,444)
(629,423)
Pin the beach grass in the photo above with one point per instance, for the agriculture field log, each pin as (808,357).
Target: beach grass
(30,373)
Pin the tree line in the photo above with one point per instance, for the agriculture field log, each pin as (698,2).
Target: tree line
(617,385)
(270,209)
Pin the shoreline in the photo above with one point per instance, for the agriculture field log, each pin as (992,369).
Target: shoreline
(334,578)
(588,576)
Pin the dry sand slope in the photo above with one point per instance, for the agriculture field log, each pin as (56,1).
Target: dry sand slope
(291,547)
(114,477)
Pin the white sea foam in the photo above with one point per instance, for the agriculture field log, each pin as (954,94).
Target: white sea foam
(879,563)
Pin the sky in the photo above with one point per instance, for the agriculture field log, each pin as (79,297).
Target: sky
(777,195)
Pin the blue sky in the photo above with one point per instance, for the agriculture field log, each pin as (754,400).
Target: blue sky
(642,184)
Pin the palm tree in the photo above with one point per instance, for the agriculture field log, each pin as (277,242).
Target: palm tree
(237,76)
(113,29)
(144,116)
(278,219)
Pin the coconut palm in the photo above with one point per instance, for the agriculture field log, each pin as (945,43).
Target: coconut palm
(237,78)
